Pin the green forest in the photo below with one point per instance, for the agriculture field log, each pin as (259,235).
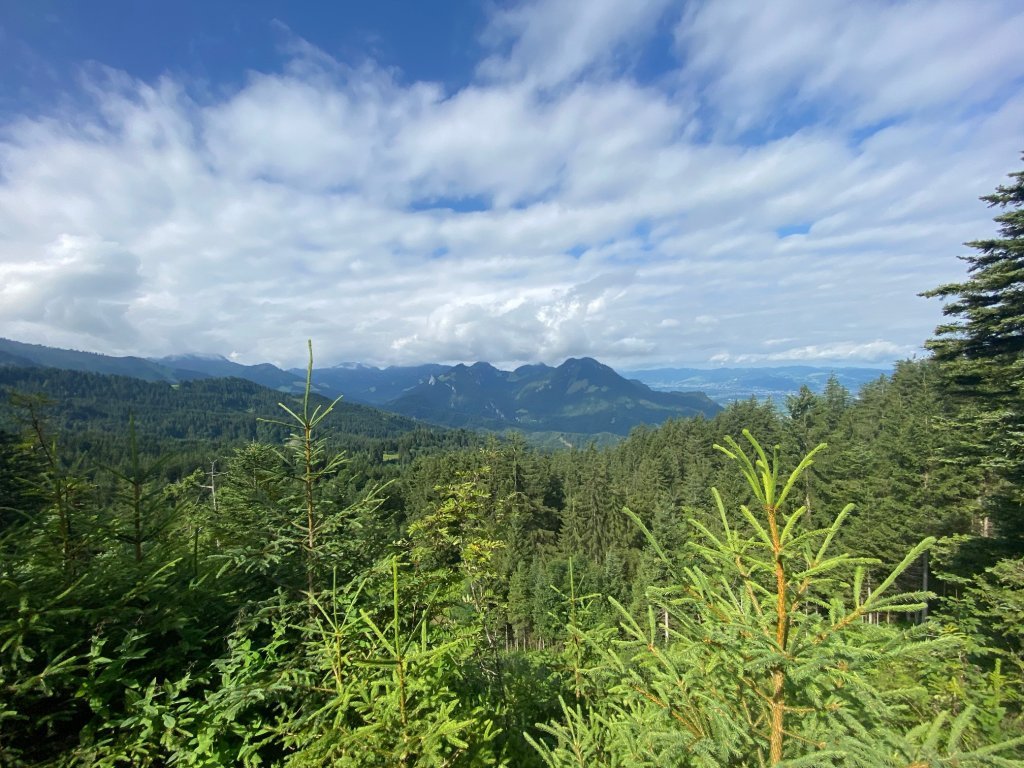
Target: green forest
(837,580)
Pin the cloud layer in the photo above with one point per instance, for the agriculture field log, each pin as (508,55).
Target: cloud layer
(779,191)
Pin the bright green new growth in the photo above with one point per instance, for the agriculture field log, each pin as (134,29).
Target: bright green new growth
(769,659)
(313,467)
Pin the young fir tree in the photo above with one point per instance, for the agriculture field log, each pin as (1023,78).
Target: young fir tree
(769,660)
(145,509)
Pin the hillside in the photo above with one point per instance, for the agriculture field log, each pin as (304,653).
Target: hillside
(201,366)
(16,353)
(94,409)
(581,396)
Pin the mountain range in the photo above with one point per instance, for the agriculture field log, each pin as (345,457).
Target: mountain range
(579,396)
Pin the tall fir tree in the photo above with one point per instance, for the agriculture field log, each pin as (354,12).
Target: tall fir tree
(981,350)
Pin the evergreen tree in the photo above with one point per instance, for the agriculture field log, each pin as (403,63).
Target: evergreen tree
(19,499)
(982,353)
(813,420)
(768,661)
(895,443)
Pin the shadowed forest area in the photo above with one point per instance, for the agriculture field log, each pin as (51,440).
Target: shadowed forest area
(836,580)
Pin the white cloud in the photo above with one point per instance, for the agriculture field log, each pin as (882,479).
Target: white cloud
(862,62)
(82,287)
(877,351)
(551,41)
(553,207)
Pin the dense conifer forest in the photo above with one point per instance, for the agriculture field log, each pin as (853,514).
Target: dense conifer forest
(834,580)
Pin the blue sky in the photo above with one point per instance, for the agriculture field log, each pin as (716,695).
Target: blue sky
(649,183)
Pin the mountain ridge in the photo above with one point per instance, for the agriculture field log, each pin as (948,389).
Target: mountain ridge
(579,395)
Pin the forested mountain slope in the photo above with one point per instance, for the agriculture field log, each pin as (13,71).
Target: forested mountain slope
(16,353)
(204,414)
(215,366)
(580,395)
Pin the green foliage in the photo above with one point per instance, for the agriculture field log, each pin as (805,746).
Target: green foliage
(767,661)
(196,420)
(981,352)
(272,602)
(347,685)
(308,468)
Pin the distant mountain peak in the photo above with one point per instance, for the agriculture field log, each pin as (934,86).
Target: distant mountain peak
(585,364)
(581,395)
